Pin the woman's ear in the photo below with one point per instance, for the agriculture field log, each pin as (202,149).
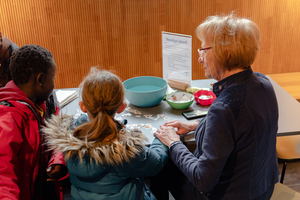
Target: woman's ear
(82,107)
(122,107)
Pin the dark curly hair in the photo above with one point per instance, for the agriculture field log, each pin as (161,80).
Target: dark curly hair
(27,60)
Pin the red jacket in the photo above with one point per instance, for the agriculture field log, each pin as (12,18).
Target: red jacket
(22,152)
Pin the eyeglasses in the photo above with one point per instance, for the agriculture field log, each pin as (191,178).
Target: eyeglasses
(203,51)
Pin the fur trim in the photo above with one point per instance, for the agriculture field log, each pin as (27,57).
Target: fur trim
(59,136)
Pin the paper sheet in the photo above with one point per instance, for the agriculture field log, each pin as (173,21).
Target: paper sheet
(177,57)
(64,97)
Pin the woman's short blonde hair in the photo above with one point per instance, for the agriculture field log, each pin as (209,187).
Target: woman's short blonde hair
(240,37)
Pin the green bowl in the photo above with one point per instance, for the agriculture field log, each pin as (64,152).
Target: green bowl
(180,100)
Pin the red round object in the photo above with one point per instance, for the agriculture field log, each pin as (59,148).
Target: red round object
(204,97)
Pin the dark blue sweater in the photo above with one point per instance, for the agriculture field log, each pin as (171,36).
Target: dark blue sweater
(236,155)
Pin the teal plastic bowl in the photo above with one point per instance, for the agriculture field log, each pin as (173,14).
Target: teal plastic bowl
(145,91)
(180,100)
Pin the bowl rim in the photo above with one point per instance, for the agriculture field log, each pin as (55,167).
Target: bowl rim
(180,102)
(140,77)
(205,102)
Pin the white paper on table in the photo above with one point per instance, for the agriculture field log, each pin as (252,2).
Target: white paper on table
(177,57)
(64,97)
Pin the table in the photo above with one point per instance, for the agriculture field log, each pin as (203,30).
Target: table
(289,111)
(290,82)
(288,124)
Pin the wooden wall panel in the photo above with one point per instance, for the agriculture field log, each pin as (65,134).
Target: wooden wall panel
(125,35)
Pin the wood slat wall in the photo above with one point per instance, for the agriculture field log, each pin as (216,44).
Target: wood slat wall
(125,35)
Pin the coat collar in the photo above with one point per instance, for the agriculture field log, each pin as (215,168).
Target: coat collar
(221,85)
(59,135)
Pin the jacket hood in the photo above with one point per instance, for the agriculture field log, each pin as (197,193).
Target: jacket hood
(59,136)
(11,92)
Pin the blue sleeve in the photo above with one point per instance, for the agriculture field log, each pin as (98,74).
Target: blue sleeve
(151,160)
(82,119)
(214,148)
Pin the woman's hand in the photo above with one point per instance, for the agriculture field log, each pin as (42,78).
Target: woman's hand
(56,172)
(182,127)
(167,135)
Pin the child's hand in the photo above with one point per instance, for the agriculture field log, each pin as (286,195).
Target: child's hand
(56,172)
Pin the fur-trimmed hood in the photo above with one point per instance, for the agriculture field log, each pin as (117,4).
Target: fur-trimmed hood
(59,136)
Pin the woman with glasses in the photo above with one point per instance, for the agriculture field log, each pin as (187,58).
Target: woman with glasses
(235,156)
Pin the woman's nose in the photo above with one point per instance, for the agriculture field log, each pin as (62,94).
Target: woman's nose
(200,60)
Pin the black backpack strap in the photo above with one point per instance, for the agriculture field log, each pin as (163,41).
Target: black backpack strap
(31,108)
(6,103)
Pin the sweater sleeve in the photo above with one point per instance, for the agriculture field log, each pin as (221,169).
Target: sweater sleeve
(10,142)
(214,145)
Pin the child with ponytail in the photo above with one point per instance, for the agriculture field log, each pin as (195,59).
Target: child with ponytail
(104,159)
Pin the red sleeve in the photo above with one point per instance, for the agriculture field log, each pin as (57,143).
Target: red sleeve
(58,158)
(10,143)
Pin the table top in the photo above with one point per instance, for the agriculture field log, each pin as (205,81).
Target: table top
(289,111)
(290,82)
(149,119)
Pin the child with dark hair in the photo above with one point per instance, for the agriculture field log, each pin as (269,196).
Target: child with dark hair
(6,49)
(26,163)
(104,159)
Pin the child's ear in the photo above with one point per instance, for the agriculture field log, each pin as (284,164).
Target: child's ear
(40,79)
(82,107)
(122,107)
